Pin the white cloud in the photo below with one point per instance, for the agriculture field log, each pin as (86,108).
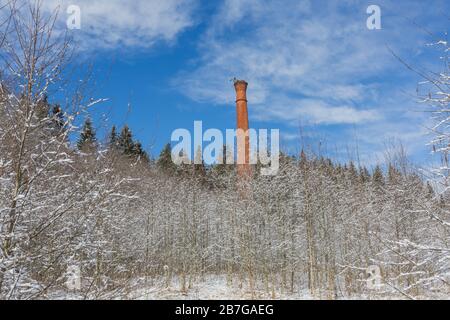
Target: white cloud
(315,62)
(118,23)
(286,50)
(317,50)
(314,112)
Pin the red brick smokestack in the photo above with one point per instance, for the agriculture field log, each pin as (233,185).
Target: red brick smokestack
(243,149)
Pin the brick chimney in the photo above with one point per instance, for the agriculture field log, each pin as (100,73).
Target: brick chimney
(243,149)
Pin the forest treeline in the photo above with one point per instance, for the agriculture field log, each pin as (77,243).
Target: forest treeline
(121,215)
(124,217)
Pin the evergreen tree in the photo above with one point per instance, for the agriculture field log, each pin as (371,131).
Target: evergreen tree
(126,144)
(113,137)
(57,118)
(87,140)
(378,178)
(50,117)
(140,152)
(165,160)
(125,141)
(43,108)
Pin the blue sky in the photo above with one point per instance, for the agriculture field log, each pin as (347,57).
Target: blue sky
(313,67)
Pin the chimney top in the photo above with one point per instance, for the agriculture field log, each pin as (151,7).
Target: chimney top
(238,83)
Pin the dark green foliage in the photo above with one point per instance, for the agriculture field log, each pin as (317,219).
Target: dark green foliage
(57,118)
(43,108)
(87,140)
(165,162)
(126,145)
(125,141)
(139,151)
(112,141)
(50,117)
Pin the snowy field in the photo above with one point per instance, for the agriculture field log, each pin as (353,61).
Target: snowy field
(212,288)
(215,287)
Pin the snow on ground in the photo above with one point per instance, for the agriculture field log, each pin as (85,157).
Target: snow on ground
(211,288)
